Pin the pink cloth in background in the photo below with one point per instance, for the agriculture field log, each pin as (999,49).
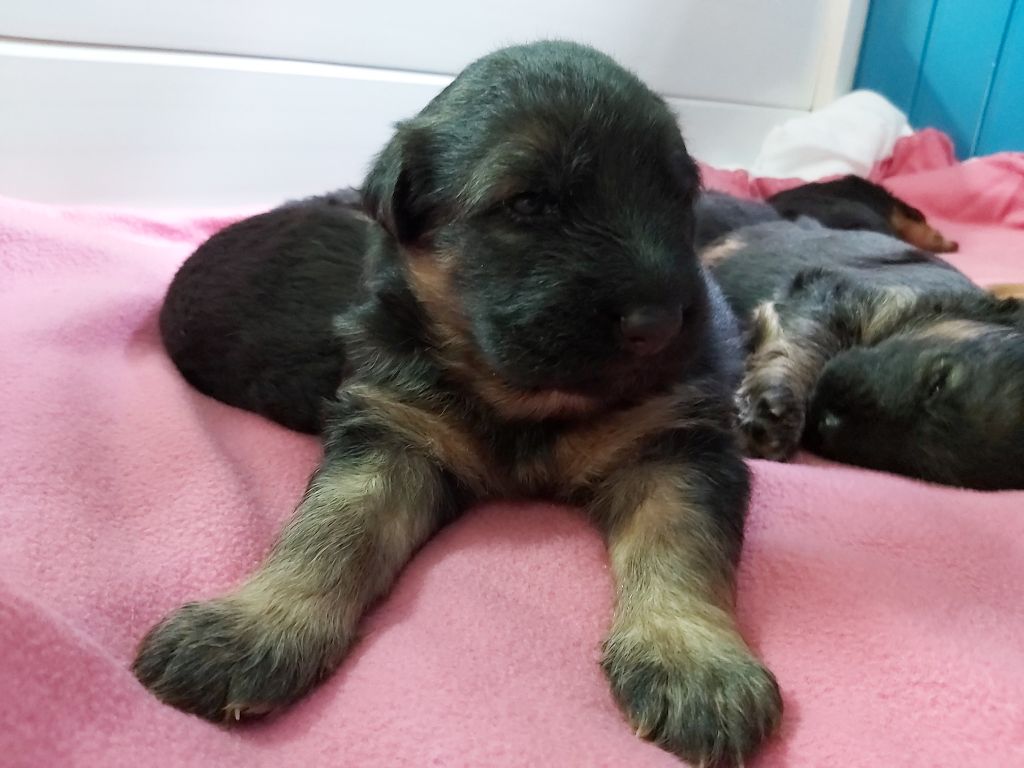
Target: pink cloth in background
(890,610)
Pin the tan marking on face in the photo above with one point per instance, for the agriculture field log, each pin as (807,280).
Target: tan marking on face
(720,250)
(504,172)
(430,280)
(920,234)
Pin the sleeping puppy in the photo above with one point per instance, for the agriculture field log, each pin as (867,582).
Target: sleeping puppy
(871,352)
(529,318)
(249,318)
(852,202)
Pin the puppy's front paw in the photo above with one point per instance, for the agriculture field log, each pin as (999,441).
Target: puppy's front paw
(221,661)
(771,417)
(712,708)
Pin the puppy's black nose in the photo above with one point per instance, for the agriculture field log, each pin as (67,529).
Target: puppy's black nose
(648,330)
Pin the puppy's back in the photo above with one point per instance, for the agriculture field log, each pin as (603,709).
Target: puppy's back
(849,203)
(762,259)
(717,214)
(248,319)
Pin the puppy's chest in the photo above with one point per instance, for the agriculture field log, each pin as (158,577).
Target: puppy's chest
(523,460)
(568,461)
(564,460)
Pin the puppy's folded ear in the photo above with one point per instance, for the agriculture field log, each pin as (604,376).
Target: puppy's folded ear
(399,189)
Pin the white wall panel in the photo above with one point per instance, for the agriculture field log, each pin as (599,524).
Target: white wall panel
(247,102)
(168,129)
(148,129)
(761,52)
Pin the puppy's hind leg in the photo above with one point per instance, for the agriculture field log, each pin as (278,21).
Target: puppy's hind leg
(674,656)
(365,511)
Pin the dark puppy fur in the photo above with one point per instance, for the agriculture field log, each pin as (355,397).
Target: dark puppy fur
(873,353)
(718,214)
(249,318)
(531,320)
(852,202)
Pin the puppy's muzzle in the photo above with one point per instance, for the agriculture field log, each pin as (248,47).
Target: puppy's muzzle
(649,329)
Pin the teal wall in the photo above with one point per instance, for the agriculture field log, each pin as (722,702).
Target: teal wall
(957,65)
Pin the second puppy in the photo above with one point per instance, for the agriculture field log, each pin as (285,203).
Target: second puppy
(868,351)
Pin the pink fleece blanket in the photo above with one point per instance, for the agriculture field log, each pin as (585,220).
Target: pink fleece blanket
(890,610)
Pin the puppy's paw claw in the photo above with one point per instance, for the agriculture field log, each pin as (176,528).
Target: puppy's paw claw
(714,713)
(771,419)
(220,662)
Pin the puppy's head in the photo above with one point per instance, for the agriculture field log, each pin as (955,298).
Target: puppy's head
(945,404)
(542,210)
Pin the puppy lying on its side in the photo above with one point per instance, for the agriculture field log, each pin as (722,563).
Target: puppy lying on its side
(249,318)
(868,351)
(847,203)
(524,315)
(854,203)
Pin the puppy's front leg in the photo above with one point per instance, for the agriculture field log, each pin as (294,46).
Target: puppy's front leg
(675,658)
(365,511)
(791,340)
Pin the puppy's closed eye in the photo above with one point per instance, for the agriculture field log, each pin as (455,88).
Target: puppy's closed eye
(942,376)
(532,205)
(937,382)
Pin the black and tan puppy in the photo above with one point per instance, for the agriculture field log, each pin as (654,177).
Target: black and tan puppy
(870,352)
(854,203)
(531,319)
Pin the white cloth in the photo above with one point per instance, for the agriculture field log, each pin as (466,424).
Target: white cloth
(849,135)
